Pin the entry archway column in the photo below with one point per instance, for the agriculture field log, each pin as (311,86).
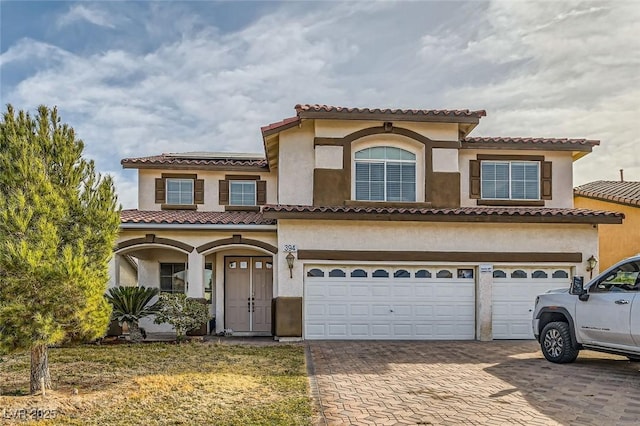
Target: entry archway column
(195,276)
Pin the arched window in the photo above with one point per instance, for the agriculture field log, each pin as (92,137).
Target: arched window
(423,273)
(315,273)
(401,273)
(560,274)
(359,273)
(385,173)
(380,273)
(519,274)
(444,273)
(337,273)
(499,274)
(539,274)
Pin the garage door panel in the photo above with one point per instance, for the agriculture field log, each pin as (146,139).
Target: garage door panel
(338,289)
(380,310)
(338,310)
(359,290)
(402,291)
(360,330)
(380,291)
(316,310)
(359,310)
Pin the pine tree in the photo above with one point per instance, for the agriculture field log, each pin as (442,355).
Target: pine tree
(58,224)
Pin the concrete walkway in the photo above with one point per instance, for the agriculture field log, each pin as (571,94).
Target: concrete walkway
(470,383)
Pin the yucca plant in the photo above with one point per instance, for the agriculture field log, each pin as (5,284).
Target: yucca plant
(130,304)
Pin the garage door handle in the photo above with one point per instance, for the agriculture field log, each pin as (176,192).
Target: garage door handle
(622,302)
(390,310)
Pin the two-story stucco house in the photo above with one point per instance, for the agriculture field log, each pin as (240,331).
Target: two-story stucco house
(364,224)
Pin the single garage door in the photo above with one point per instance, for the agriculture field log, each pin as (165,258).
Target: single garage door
(376,302)
(514,294)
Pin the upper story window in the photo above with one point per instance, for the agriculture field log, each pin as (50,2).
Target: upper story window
(385,174)
(242,193)
(182,191)
(179,191)
(510,180)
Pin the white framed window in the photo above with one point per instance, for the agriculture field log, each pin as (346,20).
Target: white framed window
(242,193)
(179,191)
(385,173)
(510,180)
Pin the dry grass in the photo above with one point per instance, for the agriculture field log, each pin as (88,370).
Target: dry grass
(161,384)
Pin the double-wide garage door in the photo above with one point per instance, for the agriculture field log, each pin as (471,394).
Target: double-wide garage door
(419,303)
(375,302)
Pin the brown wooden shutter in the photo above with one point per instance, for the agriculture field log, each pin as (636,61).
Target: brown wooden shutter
(223,192)
(474,179)
(198,191)
(160,192)
(261,192)
(545,180)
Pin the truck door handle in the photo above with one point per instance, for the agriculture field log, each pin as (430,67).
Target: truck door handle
(622,302)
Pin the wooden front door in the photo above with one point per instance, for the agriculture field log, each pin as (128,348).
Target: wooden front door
(248,293)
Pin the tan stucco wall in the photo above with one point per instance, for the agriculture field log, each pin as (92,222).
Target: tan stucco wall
(562,172)
(147,180)
(295,165)
(341,128)
(616,241)
(417,236)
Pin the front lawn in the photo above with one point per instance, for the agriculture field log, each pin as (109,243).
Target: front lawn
(160,384)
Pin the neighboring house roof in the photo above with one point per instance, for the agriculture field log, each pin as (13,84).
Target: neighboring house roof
(198,161)
(185,217)
(621,192)
(462,214)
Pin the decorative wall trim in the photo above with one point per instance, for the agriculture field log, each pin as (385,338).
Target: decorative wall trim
(152,239)
(237,239)
(438,256)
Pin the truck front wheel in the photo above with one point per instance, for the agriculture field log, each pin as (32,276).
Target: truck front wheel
(555,342)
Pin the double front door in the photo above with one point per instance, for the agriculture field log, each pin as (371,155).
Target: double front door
(248,293)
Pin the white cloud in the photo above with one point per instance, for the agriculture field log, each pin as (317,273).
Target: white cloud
(540,69)
(80,12)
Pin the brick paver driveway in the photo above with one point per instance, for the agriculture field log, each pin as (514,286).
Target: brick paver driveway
(482,383)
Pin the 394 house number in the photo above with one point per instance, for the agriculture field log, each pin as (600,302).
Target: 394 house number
(289,248)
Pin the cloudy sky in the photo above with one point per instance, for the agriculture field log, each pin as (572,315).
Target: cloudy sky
(142,78)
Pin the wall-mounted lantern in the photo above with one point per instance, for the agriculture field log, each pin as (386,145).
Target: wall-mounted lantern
(290,258)
(591,265)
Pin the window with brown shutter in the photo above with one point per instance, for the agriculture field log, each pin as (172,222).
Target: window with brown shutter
(510,180)
(261,192)
(474,179)
(223,192)
(198,191)
(545,181)
(242,192)
(160,192)
(177,198)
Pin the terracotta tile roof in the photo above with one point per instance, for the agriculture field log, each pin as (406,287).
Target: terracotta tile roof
(280,125)
(301,108)
(188,217)
(619,192)
(498,140)
(175,161)
(462,214)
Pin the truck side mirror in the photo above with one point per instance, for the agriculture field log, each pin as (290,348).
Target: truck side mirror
(577,287)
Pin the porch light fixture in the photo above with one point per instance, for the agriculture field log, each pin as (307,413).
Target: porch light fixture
(591,265)
(290,258)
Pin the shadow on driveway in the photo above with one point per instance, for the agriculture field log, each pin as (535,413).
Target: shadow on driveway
(501,382)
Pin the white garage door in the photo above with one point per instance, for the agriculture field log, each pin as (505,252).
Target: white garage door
(514,293)
(376,302)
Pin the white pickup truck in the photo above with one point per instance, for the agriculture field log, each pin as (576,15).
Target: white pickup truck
(603,315)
